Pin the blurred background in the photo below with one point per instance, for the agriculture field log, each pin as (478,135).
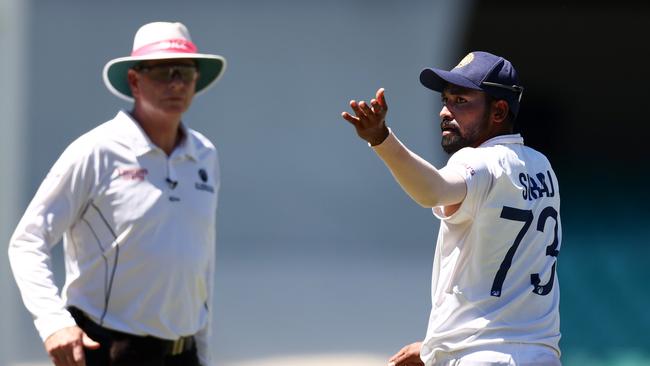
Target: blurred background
(322,259)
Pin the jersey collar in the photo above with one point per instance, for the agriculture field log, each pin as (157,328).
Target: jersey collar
(140,143)
(187,146)
(504,139)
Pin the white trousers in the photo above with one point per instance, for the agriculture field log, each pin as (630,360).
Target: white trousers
(506,354)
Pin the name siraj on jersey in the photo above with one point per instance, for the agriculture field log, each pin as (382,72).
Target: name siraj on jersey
(534,190)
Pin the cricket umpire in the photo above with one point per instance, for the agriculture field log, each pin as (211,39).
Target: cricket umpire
(135,201)
(494,290)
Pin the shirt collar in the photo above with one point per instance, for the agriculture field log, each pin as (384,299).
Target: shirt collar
(504,139)
(187,147)
(140,143)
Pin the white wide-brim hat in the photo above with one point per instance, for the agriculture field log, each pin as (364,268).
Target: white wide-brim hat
(159,41)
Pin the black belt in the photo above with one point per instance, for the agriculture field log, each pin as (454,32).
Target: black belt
(167,347)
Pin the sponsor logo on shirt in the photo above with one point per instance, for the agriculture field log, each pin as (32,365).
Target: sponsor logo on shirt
(132,173)
(203,175)
(203,186)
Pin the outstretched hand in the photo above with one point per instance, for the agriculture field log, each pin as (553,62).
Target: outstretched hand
(407,356)
(369,120)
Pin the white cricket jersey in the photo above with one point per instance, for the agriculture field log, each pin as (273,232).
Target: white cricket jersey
(138,231)
(494,278)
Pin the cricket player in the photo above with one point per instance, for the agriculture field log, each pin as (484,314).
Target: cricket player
(135,200)
(494,291)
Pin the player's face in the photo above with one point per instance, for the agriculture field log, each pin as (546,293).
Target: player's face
(165,86)
(464,118)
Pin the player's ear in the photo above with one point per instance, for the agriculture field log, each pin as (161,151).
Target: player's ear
(132,78)
(500,109)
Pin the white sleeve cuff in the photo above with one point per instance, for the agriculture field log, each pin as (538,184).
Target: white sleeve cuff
(47,326)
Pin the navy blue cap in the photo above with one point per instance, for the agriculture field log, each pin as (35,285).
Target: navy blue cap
(479,71)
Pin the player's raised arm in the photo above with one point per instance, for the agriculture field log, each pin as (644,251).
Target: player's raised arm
(427,185)
(509,192)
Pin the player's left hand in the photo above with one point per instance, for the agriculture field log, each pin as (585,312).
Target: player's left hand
(407,356)
(370,120)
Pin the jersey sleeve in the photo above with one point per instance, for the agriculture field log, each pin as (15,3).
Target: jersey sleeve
(472,167)
(205,337)
(53,210)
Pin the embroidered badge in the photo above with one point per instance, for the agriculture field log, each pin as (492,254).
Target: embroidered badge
(465,61)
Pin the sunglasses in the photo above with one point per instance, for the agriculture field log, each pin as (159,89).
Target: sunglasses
(168,72)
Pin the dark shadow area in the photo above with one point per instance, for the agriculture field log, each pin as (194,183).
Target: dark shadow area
(583,67)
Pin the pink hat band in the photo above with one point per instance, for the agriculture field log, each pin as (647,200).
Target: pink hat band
(167,46)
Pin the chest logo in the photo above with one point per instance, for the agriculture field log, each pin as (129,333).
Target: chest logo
(203,186)
(203,175)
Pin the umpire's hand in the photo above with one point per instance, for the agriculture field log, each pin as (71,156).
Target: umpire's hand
(407,356)
(370,121)
(66,346)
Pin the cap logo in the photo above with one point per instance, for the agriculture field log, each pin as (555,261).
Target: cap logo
(466,60)
(171,45)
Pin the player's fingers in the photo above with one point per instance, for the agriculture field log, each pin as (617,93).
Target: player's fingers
(376,107)
(357,110)
(381,98)
(63,359)
(407,361)
(399,353)
(366,108)
(78,355)
(350,118)
(70,359)
(60,358)
(399,356)
(89,342)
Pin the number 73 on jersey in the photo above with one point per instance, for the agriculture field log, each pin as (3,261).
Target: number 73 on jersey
(527,217)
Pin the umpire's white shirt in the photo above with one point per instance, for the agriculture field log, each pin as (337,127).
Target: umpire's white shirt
(139,235)
(506,232)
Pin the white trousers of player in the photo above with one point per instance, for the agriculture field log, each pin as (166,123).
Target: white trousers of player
(507,354)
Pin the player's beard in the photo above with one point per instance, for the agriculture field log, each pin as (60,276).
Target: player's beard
(457,140)
(453,141)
